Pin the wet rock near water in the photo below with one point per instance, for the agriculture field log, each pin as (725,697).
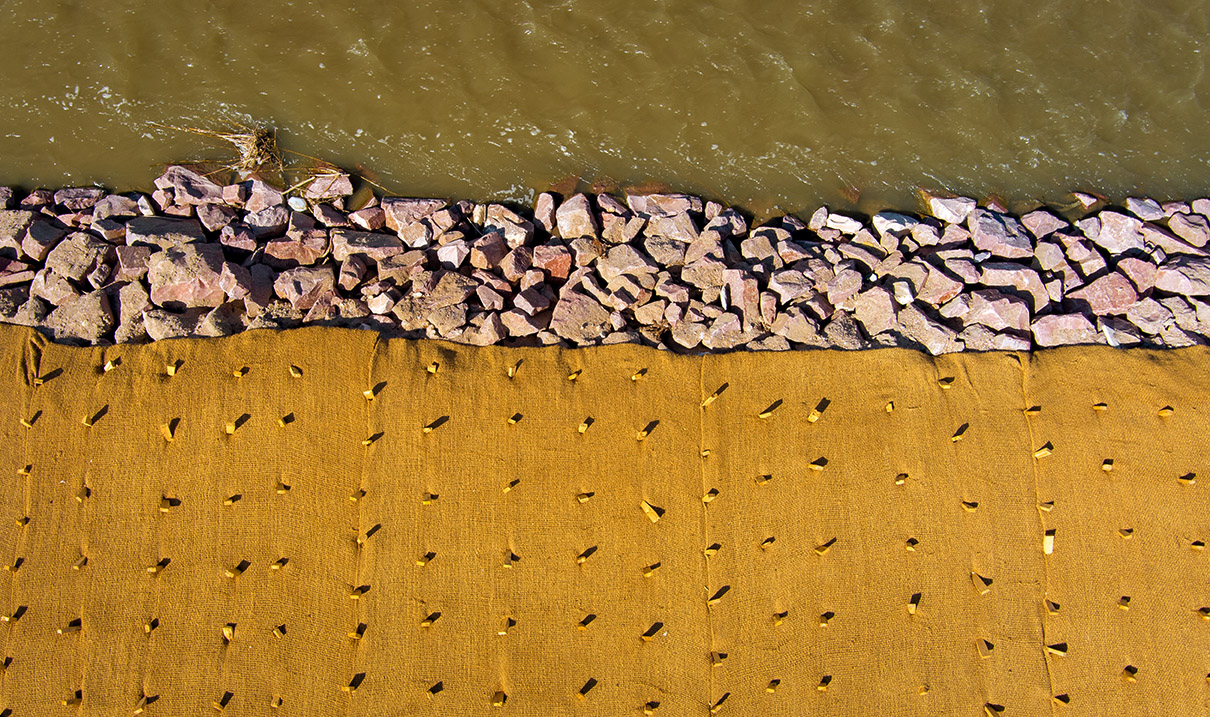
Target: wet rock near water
(203,259)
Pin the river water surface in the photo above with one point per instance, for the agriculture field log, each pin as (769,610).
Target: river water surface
(762,102)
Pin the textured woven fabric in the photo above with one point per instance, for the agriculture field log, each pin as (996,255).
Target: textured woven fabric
(831,533)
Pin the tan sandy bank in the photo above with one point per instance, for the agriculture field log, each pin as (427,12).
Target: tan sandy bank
(323,522)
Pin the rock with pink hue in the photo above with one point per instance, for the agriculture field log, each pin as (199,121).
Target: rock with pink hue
(161,324)
(531,301)
(55,289)
(544,216)
(329,186)
(400,268)
(997,311)
(77,255)
(1185,275)
(131,263)
(262,195)
(190,187)
(14,272)
(13,225)
(516,230)
(939,287)
(1014,276)
(268,222)
(999,234)
(1140,272)
(369,219)
(725,332)
(579,318)
(935,337)
(1145,208)
(235,194)
(76,199)
(515,263)
(1063,330)
(1193,228)
(40,237)
(373,245)
(948,208)
(554,259)
(163,232)
(484,330)
(663,205)
(678,227)
(401,212)
(875,310)
(1116,233)
(1149,315)
(84,319)
(1110,294)
(625,259)
(237,236)
(449,289)
(352,271)
(215,216)
(844,286)
(488,250)
(451,255)
(743,294)
(574,218)
(286,253)
(235,281)
(186,275)
(302,286)
(1042,223)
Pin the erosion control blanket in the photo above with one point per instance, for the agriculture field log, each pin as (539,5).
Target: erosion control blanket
(324,522)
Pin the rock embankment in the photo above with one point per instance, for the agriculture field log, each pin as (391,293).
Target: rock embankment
(196,258)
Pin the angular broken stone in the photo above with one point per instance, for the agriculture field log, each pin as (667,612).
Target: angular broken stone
(1149,315)
(1063,329)
(161,324)
(1042,223)
(949,209)
(402,212)
(678,227)
(725,332)
(1185,275)
(39,238)
(1116,233)
(77,255)
(624,259)
(997,311)
(842,332)
(874,309)
(488,251)
(163,232)
(88,319)
(190,187)
(186,275)
(999,234)
(1145,208)
(935,337)
(302,286)
(544,215)
(1110,294)
(574,218)
(1193,228)
(1007,275)
(331,185)
(666,205)
(516,230)
(375,246)
(224,320)
(48,285)
(554,259)
(579,318)
(215,216)
(77,199)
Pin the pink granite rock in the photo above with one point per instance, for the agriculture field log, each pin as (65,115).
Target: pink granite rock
(544,216)
(624,259)
(39,238)
(77,199)
(516,230)
(1185,275)
(1110,294)
(190,187)
(875,310)
(186,275)
(375,246)
(286,253)
(1007,275)
(1063,329)
(329,186)
(488,250)
(579,318)
(554,259)
(999,234)
(1117,233)
(663,204)
(935,337)
(1042,223)
(574,218)
(369,219)
(948,208)
(402,212)
(997,311)
(1193,228)
(86,319)
(302,286)
(77,255)
(163,232)
(262,195)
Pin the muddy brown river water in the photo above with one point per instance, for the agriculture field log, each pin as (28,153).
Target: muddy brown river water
(764,103)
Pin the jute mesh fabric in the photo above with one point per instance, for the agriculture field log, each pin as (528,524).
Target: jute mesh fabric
(322,522)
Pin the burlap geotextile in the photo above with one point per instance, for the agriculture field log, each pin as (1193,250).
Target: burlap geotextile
(847,558)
